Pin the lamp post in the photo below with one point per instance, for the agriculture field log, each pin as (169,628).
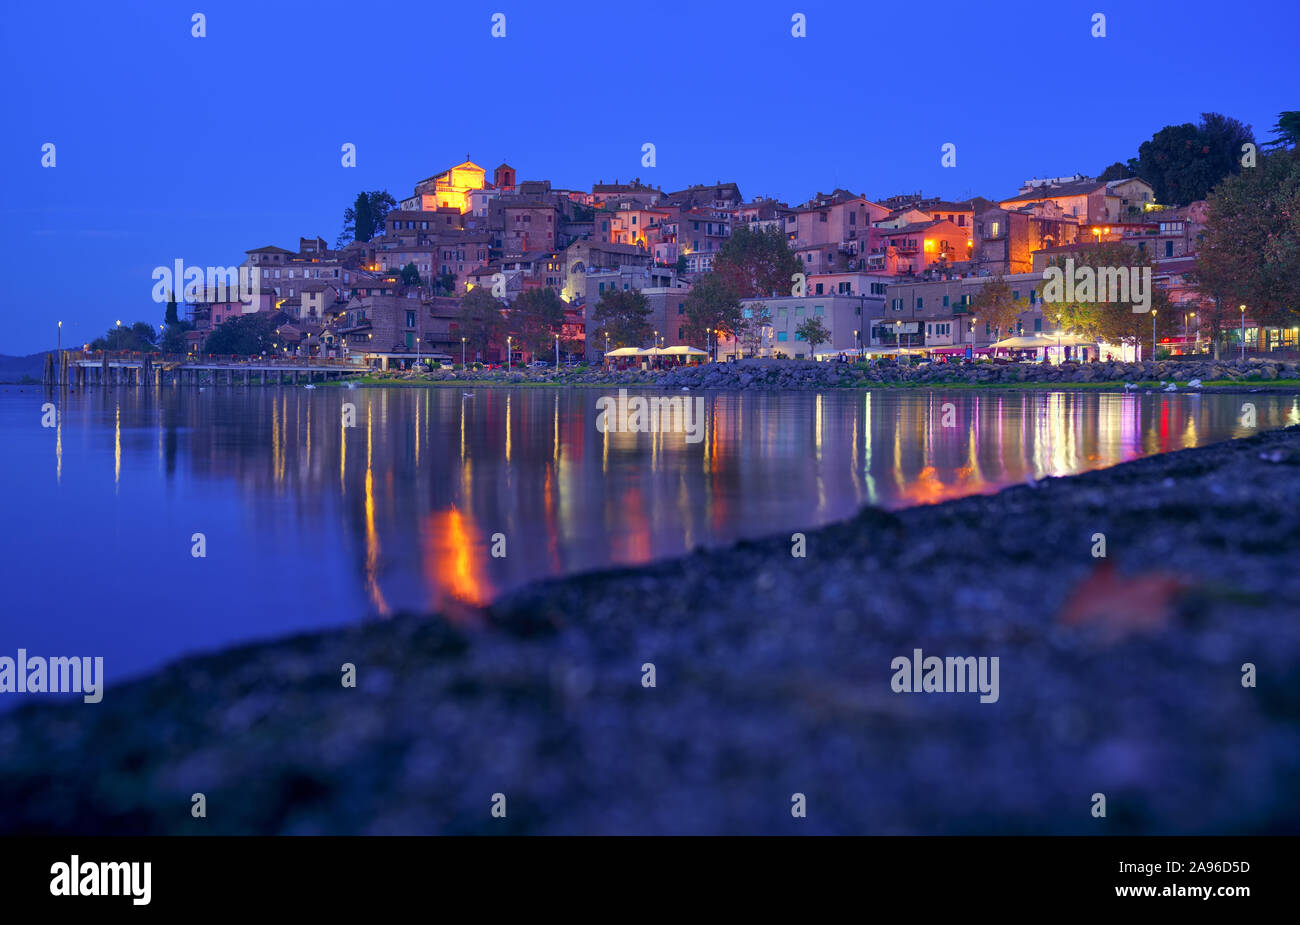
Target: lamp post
(857,343)
(557,351)
(462,353)
(1153,334)
(1243,333)
(507,354)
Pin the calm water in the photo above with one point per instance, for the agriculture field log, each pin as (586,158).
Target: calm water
(310,524)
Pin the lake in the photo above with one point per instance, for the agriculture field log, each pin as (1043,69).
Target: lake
(309,524)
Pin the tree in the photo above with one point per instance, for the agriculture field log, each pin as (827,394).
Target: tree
(1112,321)
(243,335)
(995,307)
(813,331)
(623,316)
(410,275)
(481,321)
(170,317)
(1184,162)
(1287,130)
(140,337)
(535,317)
(712,305)
(756,263)
(1116,171)
(365,218)
(758,319)
(680,266)
(445,283)
(1251,246)
(173,339)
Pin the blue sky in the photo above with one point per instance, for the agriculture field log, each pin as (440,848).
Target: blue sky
(170,146)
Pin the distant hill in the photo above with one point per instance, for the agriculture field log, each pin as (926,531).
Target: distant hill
(13,369)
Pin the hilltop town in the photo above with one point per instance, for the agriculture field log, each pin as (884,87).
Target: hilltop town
(904,271)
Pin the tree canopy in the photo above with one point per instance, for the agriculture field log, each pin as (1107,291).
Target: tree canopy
(140,337)
(712,305)
(624,317)
(365,217)
(756,263)
(535,318)
(1184,162)
(481,321)
(243,335)
(1113,321)
(813,331)
(1251,247)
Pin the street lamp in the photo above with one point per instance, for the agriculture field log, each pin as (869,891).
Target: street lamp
(462,353)
(1153,333)
(857,342)
(557,351)
(60,337)
(1243,333)
(507,354)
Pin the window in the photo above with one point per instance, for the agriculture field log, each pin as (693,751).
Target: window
(1038,324)
(945,301)
(781,335)
(993,229)
(853,218)
(819,310)
(798,336)
(1169,248)
(920,302)
(819,289)
(681,308)
(1015,293)
(410,320)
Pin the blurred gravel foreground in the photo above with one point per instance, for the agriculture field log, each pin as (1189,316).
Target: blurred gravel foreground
(1120,676)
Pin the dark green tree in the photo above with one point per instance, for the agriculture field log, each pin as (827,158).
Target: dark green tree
(756,263)
(243,335)
(712,305)
(1116,171)
(365,218)
(481,321)
(410,275)
(1184,162)
(170,317)
(534,318)
(814,332)
(1287,130)
(1252,241)
(140,337)
(624,317)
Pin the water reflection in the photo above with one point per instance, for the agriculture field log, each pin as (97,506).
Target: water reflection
(403,504)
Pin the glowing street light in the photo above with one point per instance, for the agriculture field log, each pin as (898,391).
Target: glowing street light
(1243,333)
(507,354)
(462,352)
(1153,333)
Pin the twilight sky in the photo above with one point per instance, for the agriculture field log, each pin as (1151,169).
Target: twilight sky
(173,147)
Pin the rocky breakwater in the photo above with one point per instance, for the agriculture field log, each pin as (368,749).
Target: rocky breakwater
(1251,375)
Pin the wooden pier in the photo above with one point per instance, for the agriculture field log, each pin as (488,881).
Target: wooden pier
(79,369)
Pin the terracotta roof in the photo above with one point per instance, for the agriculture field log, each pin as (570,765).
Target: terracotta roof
(1078,188)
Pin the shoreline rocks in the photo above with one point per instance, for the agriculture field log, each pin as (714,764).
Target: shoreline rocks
(1120,676)
(763,374)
